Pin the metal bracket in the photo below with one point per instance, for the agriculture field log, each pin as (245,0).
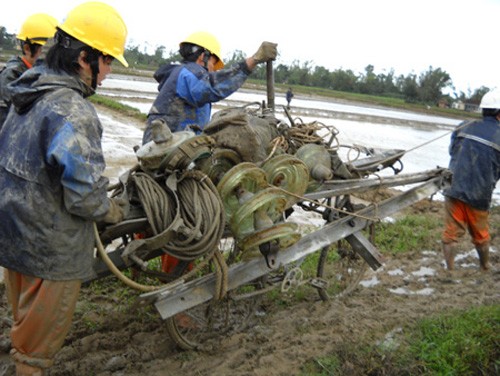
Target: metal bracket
(362,246)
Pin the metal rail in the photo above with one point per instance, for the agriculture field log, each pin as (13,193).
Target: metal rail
(333,188)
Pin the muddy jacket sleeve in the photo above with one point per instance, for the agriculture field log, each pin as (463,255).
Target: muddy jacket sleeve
(198,87)
(77,154)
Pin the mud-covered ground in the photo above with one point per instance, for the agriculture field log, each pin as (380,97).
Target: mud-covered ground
(112,336)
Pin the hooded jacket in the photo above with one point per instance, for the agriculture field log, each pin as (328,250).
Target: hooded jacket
(475,162)
(51,184)
(187,91)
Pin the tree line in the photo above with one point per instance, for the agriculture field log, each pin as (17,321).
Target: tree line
(427,87)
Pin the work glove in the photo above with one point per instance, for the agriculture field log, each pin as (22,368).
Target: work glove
(118,209)
(267,51)
(160,131)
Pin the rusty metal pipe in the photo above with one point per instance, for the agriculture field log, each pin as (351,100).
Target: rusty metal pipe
(270,85)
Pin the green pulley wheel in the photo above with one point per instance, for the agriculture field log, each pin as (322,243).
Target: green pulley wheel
(285,233)
(270,201)
(217,164)
(289,173)
(245,177)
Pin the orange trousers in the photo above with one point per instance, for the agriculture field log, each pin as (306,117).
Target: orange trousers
(42,314)
(168,263)
(459,218)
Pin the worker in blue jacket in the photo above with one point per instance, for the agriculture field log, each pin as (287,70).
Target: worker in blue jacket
(51,185)
(187,90)
(475,164)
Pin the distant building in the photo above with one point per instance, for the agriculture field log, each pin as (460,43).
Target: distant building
(471,107)
(458,105)
(468,107)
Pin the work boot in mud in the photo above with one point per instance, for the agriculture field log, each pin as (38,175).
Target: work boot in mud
(483,251)
(449,256)
(26,370)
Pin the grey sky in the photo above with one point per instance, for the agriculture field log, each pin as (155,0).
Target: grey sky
(457,36)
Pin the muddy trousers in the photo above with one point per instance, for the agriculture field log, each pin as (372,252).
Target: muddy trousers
(42,314)
(483,252)
(459,219)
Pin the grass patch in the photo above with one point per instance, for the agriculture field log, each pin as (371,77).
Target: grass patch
(461,343)
(117,106)
(410,233)
(323,366)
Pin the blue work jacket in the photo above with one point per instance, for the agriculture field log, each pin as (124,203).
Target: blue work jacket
(475,162)
(187,91)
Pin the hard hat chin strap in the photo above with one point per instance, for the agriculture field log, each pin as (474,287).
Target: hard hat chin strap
(206,57)
(94,66)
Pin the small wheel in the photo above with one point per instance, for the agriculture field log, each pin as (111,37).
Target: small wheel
(342,268)
(202,327)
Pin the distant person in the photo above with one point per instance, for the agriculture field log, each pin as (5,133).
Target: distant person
(475,164)
(52,186)
(34,33)
(289,96)
(187,90)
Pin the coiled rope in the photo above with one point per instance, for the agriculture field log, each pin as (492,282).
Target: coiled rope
(195,198)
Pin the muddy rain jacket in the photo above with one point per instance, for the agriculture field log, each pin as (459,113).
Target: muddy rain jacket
(13,69)
(187,91)
(475,162)
(51,188)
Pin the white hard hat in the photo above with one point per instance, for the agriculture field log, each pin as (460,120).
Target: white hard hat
(491,99)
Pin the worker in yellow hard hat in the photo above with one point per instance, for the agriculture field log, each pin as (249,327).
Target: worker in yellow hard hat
(53,190)
(34,33)
(187,90)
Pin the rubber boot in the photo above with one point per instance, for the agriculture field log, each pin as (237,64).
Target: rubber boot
(26,370)
(483,251)
(449,255)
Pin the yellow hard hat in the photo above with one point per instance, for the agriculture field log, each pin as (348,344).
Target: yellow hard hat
(208,42)
(38,28)
(99,26)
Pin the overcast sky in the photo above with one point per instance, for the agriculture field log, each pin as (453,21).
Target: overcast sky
(408,36)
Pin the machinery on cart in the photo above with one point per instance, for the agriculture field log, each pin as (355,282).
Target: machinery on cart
(218,207)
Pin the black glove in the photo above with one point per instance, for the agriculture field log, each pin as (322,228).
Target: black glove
(267,51)
(118,208)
